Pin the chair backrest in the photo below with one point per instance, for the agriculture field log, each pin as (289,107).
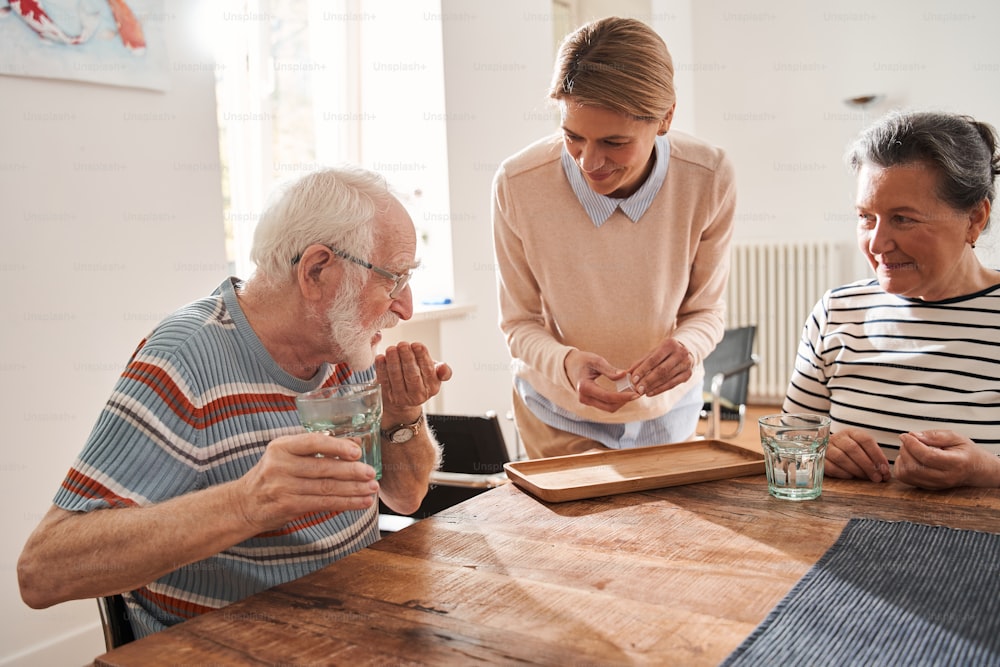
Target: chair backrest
(735,348)
(470,444)
(114,621)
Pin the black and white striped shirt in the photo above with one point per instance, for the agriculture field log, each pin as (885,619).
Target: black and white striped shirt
(891,365)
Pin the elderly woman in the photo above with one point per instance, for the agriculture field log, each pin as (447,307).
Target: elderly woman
(908,365)
(612,242)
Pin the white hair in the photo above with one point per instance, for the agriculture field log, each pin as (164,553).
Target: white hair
(332,206)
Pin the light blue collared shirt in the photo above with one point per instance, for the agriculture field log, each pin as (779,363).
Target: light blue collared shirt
(600,207)
(675,426)
(680,422)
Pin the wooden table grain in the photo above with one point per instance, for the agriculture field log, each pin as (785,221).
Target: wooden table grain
(674,576)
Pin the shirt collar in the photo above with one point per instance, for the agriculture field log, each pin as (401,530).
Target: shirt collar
(599,207)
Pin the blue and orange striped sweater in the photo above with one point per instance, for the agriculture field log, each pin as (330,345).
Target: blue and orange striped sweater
(196,406)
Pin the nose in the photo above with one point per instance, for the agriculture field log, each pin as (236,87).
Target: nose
(590,158)
(402,305)
(880,238)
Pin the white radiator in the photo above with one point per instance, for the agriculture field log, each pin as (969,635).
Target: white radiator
(775,286)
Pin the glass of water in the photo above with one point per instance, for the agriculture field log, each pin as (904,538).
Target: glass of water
(794,453)
(347,411)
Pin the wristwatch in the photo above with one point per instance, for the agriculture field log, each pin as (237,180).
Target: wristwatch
(403,432)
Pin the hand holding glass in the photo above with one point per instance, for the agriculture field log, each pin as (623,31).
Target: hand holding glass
(347,411)
(794,453)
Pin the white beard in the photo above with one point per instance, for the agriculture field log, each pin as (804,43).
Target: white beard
(353,341)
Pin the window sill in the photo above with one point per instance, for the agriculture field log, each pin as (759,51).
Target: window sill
(426,313)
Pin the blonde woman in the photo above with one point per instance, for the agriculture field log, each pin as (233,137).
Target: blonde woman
(612,242)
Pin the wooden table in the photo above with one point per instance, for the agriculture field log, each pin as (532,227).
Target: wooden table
(675,576)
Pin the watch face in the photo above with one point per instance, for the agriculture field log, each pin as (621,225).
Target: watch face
(402,435)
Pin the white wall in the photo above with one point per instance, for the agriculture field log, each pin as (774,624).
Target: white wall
(110,220)
(771,78)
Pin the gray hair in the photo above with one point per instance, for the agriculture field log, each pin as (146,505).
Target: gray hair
(333,206)
(962,149)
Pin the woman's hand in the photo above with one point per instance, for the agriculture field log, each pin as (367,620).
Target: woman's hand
(853,453)
(583,369)
(944,459)
(666,366)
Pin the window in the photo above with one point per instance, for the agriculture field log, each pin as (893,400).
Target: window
(308,83)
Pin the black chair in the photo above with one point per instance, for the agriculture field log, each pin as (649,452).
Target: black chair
(114,621)
(473,451)
(727,376)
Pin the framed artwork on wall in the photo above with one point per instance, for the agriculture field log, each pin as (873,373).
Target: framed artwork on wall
(113,42)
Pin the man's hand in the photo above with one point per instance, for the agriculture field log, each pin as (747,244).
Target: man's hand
(583,369)
(409,378)
(853,453)
(666,366)
(302,474)
(939,459)
(66,556)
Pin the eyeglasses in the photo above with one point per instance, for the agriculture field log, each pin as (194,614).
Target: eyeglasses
(399,280)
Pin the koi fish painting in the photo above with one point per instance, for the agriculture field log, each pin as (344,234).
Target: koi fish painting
(116,42)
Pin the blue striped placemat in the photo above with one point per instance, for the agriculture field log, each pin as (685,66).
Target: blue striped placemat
(888,593)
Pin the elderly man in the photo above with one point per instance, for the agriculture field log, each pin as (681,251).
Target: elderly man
(198,487)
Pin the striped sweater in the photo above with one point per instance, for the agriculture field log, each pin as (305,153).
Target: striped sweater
(196,406)
(889,364)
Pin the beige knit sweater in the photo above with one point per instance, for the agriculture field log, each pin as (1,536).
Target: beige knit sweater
(618,289)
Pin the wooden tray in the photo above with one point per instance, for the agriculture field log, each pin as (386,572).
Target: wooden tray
(561,478)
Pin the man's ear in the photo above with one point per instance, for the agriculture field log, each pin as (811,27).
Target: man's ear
(317,273)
